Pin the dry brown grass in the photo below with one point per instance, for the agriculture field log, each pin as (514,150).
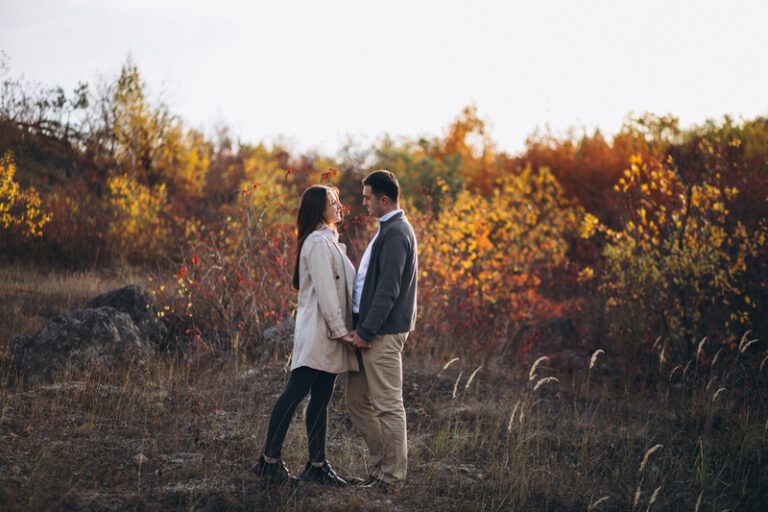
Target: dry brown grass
(170,436)
(30,297)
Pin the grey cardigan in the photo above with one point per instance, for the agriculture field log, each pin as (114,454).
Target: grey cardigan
(388,300)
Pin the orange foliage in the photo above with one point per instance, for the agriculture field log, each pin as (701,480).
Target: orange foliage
(483,259)
(468,138)
(668,223)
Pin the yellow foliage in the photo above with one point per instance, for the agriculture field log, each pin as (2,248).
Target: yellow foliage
(183,161)
(495,246)
(266,196)
(19,208)
(138,226)
(589,225)
(681,253)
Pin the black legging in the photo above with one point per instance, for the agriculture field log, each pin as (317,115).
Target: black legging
(301,381)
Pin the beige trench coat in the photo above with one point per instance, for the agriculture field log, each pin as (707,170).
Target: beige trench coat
(326,280)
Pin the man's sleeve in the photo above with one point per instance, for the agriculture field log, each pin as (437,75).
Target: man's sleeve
(394,253)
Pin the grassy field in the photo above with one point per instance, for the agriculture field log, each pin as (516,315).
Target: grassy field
(169,435)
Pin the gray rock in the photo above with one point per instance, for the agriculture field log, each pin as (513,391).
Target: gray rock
(277,339)
(136,303)
(83,339)
(280,334)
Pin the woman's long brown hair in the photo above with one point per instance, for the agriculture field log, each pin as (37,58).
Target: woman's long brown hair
(314,201)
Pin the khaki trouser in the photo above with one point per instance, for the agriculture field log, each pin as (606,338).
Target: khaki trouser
(375,404)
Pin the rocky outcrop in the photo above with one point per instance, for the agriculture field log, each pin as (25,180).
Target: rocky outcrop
(83,339)
(116,328)
(278,340)
(136,303)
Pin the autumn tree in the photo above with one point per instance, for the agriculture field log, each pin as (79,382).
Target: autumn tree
(484,258)
(419,165)
(681,267)
(469,139)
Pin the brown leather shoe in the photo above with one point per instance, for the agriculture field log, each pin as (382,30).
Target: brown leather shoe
(380,485)
(361,482)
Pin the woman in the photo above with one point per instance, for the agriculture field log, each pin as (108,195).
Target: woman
(324,277)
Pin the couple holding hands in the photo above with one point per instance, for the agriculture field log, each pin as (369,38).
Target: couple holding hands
(347,321)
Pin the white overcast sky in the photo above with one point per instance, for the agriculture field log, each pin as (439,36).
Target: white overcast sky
(315,71)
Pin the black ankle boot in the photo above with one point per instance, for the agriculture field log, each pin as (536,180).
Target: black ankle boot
(276,472)
(324,475)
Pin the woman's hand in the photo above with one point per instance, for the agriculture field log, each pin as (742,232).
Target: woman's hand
(354,341)
(359,342)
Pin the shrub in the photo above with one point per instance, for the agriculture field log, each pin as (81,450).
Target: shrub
(680,267)
(483,260)
(20,209)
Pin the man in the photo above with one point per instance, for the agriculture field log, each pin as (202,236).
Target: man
(384,309)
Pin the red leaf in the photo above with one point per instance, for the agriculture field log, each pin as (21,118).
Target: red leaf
(330,174)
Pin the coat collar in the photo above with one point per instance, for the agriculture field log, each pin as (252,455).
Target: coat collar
(327,232)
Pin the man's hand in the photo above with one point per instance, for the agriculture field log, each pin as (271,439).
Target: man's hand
(359,342)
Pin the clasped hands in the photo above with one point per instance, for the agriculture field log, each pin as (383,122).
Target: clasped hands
(354,340)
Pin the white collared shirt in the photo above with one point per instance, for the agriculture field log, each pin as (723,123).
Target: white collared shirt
(360,279)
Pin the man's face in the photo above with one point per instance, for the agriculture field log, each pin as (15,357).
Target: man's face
(376,206)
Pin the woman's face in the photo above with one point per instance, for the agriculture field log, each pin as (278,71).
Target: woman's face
(333,208)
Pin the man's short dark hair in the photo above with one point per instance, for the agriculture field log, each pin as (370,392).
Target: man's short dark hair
(383,183)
